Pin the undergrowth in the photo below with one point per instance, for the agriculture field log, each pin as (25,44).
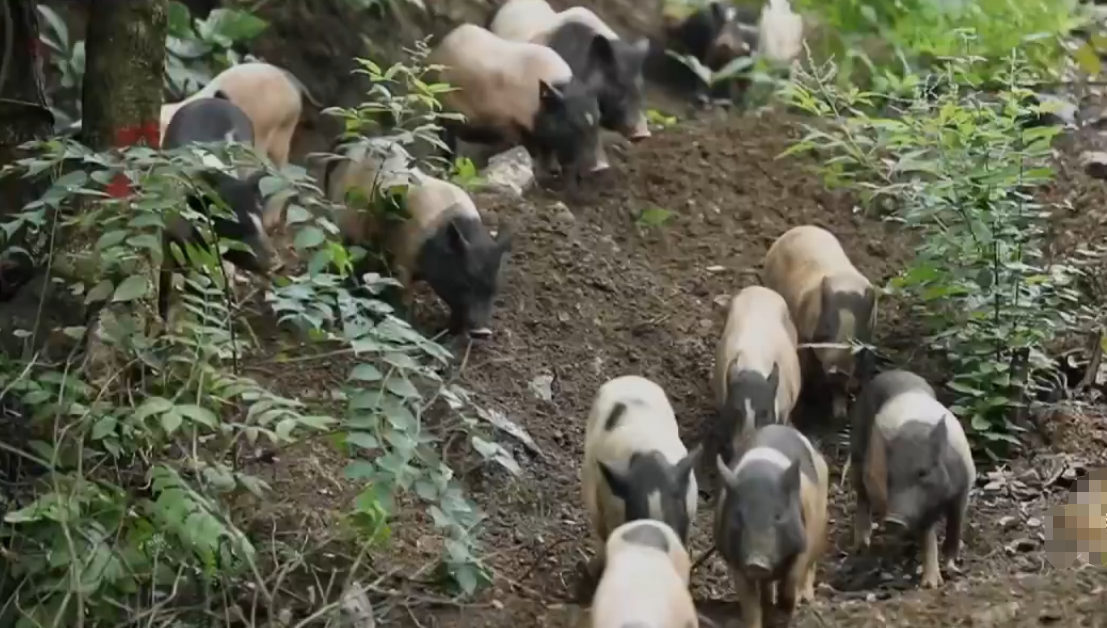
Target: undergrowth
(959,166)
(136,503)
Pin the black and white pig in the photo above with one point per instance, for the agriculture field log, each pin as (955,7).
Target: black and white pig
(910,463)
(513,93)
(646,579)
(715,35)
(208,120)
(831,303)
(443,242)
(635,465)
(757,372)
(593,50)
(770,522)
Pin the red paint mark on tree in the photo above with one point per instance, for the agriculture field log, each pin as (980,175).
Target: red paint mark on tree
(148,132)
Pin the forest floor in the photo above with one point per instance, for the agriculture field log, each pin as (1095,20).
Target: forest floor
(589,294)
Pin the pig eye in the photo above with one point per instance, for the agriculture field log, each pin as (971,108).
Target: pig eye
(923,472)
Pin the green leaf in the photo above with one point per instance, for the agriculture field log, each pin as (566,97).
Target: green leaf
(308,237)
(110,239)
(366,373)
(234,25)
(297,214)
(364,440)
(152,406)
(103,427)
(1088,60)
(133,287)
(401,387)
(170,421)
(198,414)
(360,470)
(980,424)
(99,293)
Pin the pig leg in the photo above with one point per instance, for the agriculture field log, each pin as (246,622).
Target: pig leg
(791,589)
(863,513)
(931,576)
(601,159)
(840,404)
(955,521)
(749,596)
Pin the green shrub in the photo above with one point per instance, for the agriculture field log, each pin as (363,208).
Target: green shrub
(959,169)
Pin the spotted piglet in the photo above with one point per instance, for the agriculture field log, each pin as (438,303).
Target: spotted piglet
(910,463)
(757,372)
(635,465)
(646,579)
(770,522)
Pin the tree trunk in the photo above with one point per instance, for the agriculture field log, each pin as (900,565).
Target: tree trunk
(23,118)
(121,102)
(121,95)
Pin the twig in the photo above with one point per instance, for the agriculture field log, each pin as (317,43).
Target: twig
(699,561)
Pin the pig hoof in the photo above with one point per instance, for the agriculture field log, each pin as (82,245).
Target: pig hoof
(932,581)
(952,568)
(600,167)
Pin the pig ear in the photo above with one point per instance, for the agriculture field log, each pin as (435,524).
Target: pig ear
(614,480)
(791,479)
(774,376)
(938,437)
(718,11)
(601,47)
(724,471)
(457,241)
(684,468)
(549,95)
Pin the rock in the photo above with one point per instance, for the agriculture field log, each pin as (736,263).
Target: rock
(542,387)
(511,172)
(1057,110)
(561,212)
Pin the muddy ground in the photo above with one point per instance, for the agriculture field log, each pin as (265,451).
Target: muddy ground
(589,294)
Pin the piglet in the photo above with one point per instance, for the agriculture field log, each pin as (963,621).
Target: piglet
(757,372)
(635,465)
(207,120)
(519,93)
(443,242)
(910,463)
(770,522)
(646,579)
(831,303)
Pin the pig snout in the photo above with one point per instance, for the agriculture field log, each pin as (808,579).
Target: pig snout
(757,567)
(480,333)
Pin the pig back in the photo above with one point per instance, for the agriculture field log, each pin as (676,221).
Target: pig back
(759,332)
(523,20)
(431,203)
(643,584)
(647,535)
(583,15)
(264,92)
(496,79)
(795,266)
(645,422)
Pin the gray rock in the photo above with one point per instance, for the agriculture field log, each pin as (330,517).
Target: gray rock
(511,172)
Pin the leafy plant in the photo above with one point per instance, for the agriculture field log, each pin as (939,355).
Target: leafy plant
(653,217)
(465,174)
(68,58)
(959,168)
(658,118)
(135,505)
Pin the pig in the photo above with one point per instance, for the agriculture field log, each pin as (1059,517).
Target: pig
(519,93)
(212,120)
(771,520)
(757,372)
(910,463)
(593,51)
(780,33)
(715,35)
(831,302)
(272,99)
(635,465)
(646,579)
(443,242)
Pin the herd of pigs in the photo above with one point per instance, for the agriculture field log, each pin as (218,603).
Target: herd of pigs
(549,81)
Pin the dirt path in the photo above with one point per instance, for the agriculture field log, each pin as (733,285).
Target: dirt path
(589,295)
